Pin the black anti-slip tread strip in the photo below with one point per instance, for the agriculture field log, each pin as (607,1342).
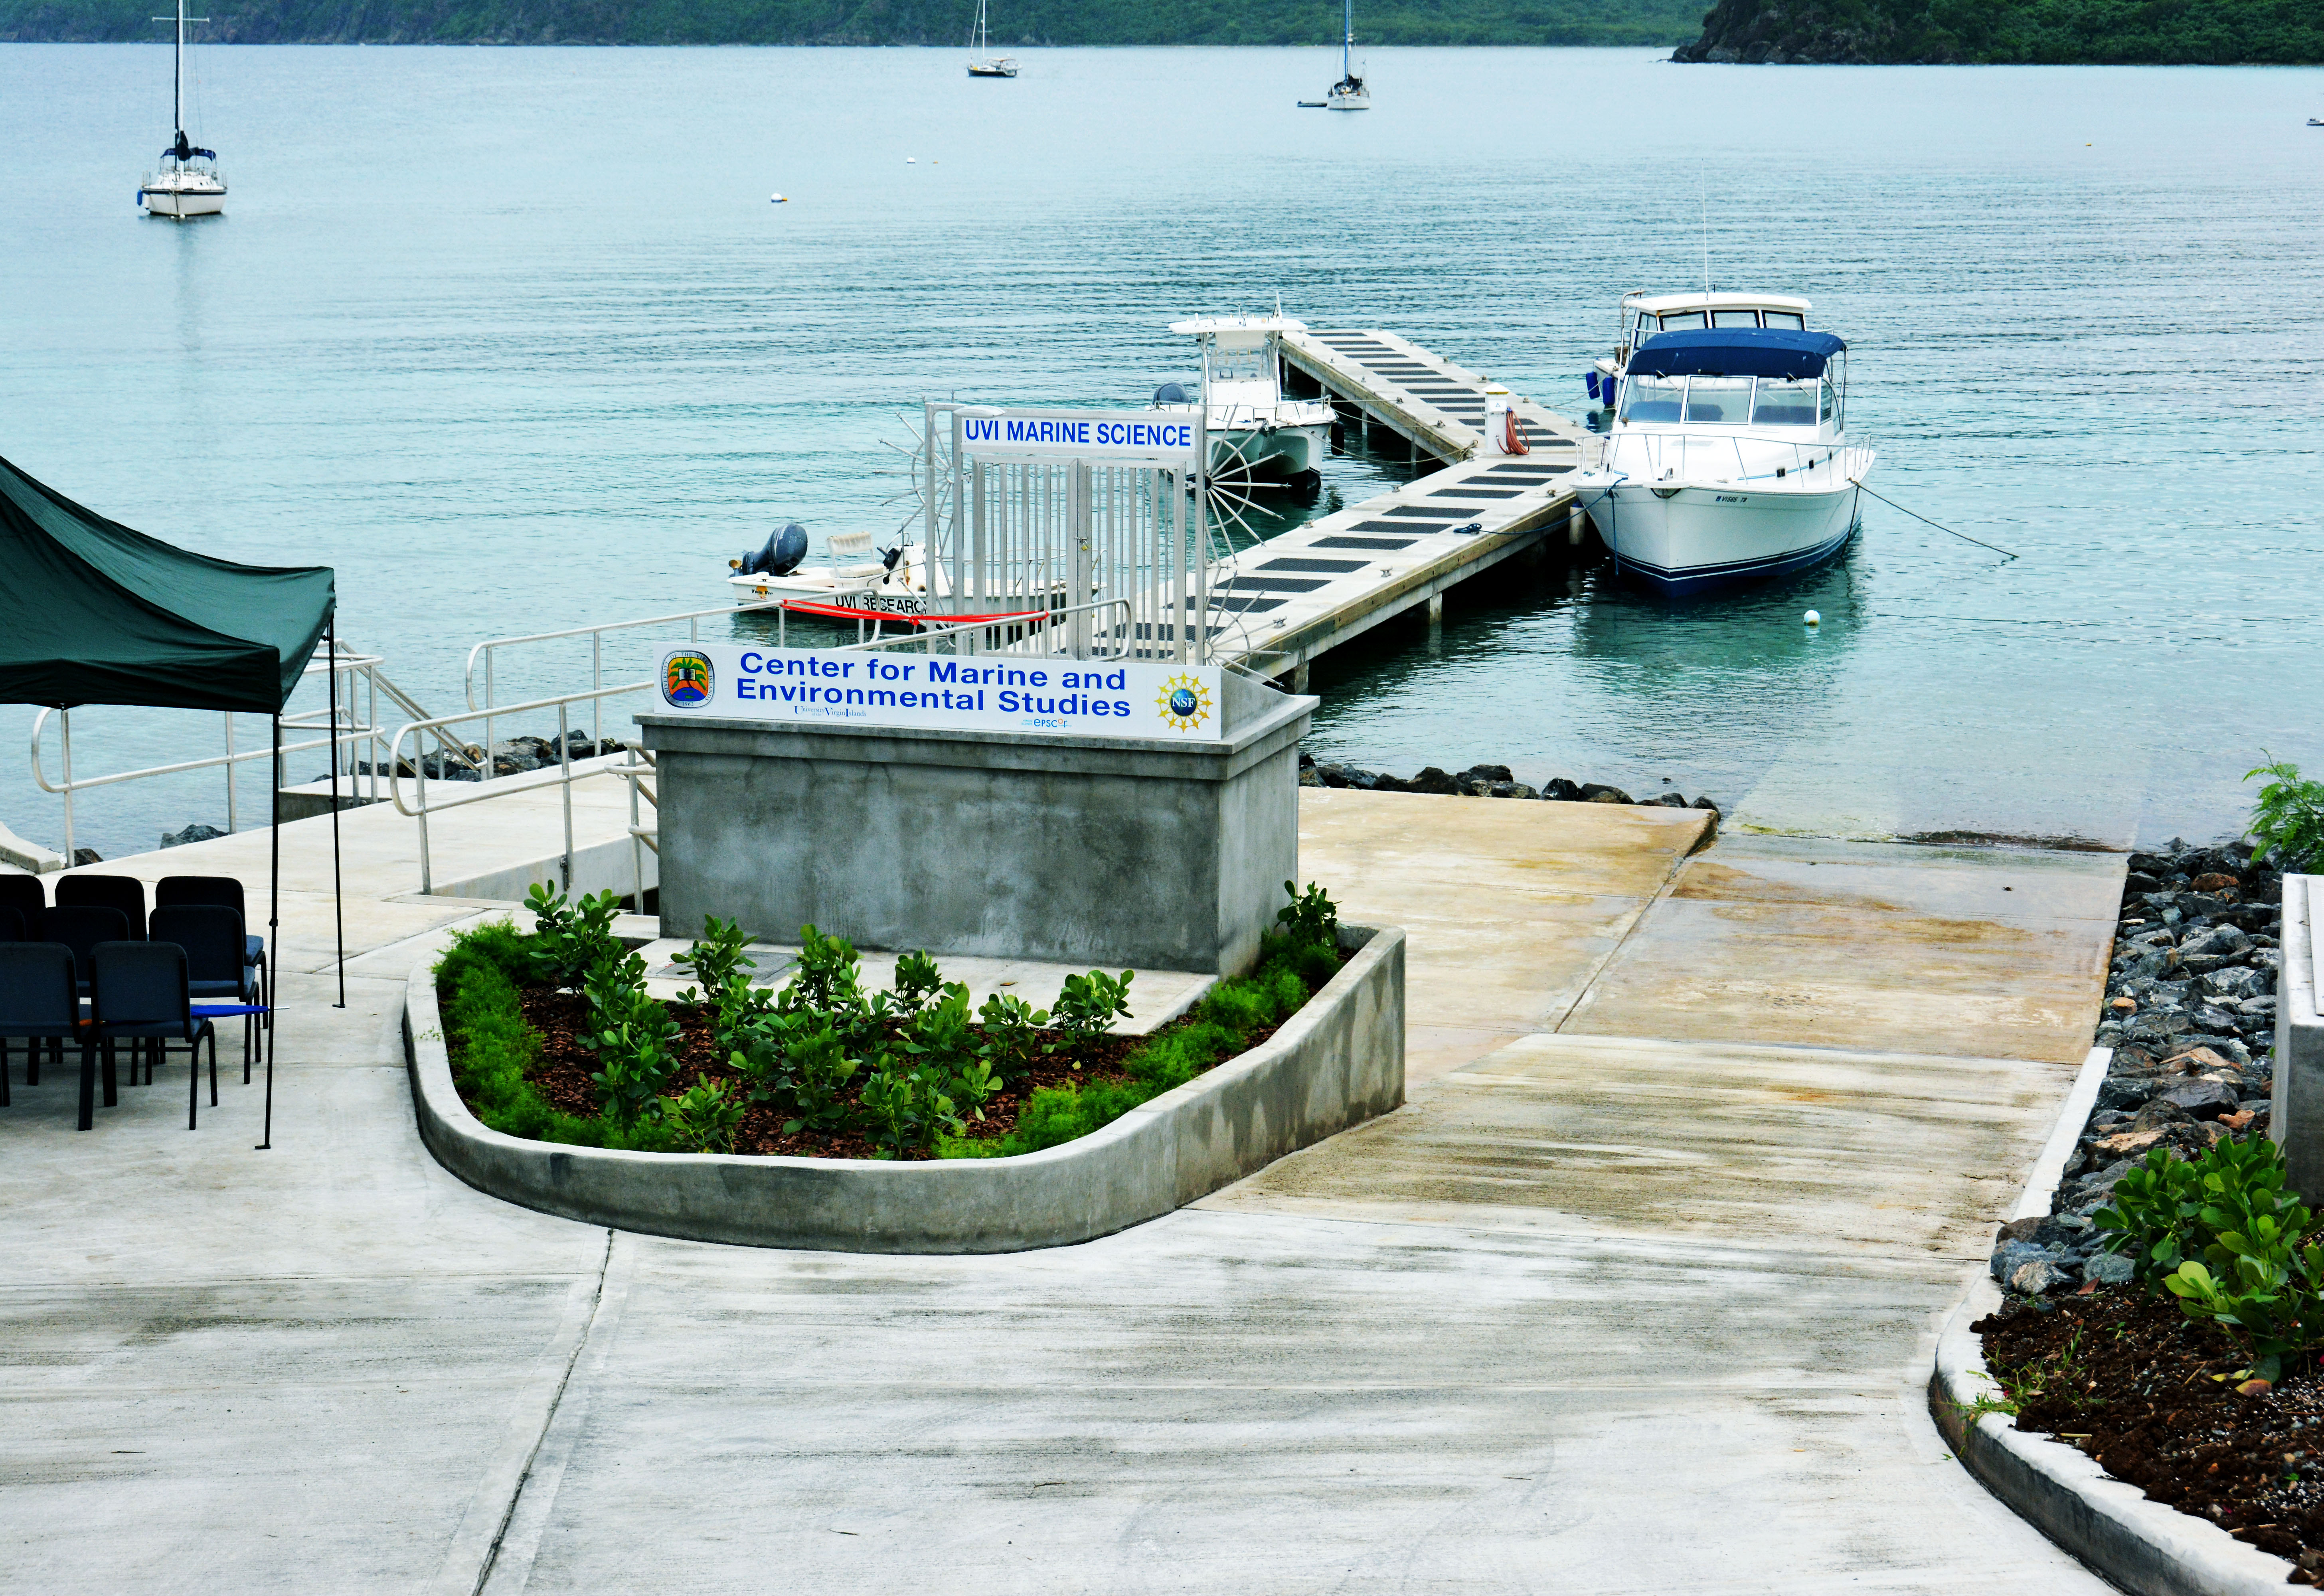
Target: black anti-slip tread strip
(1271,585)
(1424,512)
(1381,543)
(1475,493)
(1241,606)
(1341,565)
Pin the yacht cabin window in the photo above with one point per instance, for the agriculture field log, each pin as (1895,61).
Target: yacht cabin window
(1791,318)
(1828,401)
(1734,319)
(1237,365)
(1723,401)
(1683,321)
(1782,403)
(1653,398)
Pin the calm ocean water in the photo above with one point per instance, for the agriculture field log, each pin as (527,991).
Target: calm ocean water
(514,339)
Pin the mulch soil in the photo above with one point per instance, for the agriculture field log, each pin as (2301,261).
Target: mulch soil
(2163,1401)
(562,1075)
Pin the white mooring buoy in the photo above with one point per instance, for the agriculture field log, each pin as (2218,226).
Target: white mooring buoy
(1812,618)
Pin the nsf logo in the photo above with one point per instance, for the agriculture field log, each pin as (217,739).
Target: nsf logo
(1185,703)
(685,680)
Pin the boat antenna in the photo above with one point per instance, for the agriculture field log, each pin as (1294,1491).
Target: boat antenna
(1703,179)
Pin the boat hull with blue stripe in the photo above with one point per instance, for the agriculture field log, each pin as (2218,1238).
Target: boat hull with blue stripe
(1729,461)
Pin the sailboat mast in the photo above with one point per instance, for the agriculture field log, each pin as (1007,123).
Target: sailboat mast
(1346,36)
(178,76)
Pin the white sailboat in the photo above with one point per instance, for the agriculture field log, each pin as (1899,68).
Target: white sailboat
(1349,94)
(982,62)
(187,183)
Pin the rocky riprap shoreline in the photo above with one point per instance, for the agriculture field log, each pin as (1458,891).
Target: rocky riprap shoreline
(2191,1015)
(1484,781)
(512,756)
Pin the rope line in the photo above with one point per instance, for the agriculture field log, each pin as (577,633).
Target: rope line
(1941,526)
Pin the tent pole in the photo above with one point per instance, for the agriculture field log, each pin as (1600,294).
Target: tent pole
(273,929)
(338,906)
(64,718)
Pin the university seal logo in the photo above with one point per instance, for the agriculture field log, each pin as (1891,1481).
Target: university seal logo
(1185,703)
(685,680)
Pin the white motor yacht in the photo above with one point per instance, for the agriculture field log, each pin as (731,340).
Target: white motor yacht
(1256,434)
(1728,460)
(187,183)
(1645,315)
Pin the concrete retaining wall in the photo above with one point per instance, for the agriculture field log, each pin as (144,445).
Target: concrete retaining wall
(1338,1062)
(2296,1112)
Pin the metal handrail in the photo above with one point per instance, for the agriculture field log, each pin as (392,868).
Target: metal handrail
(353,728)
(562,703)
(597,636)
(1031,620)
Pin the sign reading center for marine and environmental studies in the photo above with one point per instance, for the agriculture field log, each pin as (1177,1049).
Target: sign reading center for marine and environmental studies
(986,693)
(1145,437)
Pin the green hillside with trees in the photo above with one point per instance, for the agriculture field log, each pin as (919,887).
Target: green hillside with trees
(1016,24)
(2129,33)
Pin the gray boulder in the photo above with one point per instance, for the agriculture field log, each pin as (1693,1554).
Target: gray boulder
(2109,1268)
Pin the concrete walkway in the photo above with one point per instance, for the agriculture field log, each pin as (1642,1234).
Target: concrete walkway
(1635,1294)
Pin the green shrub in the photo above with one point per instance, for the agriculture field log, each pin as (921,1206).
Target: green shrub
(703,1117)
(2287,821)
(633,1037)
(491,1046)
(1088,1005)
(569,939)
(719,961)
(1310,917)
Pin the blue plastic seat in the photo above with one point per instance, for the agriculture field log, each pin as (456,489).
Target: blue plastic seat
(211,934)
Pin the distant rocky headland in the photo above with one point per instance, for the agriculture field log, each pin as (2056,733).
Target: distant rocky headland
(2023,33)
(1018,24)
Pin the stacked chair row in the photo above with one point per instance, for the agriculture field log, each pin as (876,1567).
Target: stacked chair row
(95,969)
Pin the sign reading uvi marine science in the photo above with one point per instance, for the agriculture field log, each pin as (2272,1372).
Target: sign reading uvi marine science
(987,693)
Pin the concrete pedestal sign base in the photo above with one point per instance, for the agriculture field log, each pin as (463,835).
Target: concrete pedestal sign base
(1336,1063)
(2296,1116)
(1077,849)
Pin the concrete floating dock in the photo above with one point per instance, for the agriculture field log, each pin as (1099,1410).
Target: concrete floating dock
(1275,607)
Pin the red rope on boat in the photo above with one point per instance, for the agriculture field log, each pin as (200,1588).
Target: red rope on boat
(807,606)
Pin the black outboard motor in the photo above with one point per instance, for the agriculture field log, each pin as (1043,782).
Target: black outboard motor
(1173,393)
(889,557)
(780,556)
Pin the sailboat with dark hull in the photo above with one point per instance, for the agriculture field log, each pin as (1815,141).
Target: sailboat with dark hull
(187,183)
(982,62)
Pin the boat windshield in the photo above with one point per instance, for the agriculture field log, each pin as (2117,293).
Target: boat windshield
(1653,398)
(1683,321)
(1786,404)
(1734,319)
(1791,318)
(1237,365)
(1726,401)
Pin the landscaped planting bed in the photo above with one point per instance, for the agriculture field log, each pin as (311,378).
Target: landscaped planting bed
(2166,1318)
(552,1037)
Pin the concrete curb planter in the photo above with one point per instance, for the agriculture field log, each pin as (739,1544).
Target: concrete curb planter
(1336,1063)
(2143,1546)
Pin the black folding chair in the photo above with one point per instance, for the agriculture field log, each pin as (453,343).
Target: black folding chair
(12,925)
(21,893)
(138,993)
(124,892)
(38,1002)
(225,891)
(221,985)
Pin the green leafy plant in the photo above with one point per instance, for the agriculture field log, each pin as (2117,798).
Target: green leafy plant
(703,1117)
(1311,917)
(828,977)
(1013,1031)
(2154,1217)
(917,980)
(800,1065)
(633,1037)
(908,1107)
(2287,821)
(570,939)
(719,959)
(1088,1005)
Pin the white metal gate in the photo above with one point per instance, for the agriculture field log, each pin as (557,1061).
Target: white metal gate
(1081,532)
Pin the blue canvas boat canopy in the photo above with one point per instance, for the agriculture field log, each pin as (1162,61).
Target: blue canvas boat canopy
(1736,352)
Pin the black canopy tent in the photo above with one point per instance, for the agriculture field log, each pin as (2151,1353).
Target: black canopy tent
(93,612)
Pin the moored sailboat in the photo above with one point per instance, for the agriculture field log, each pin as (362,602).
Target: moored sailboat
(982,62)
(1349,94)
(187,183)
